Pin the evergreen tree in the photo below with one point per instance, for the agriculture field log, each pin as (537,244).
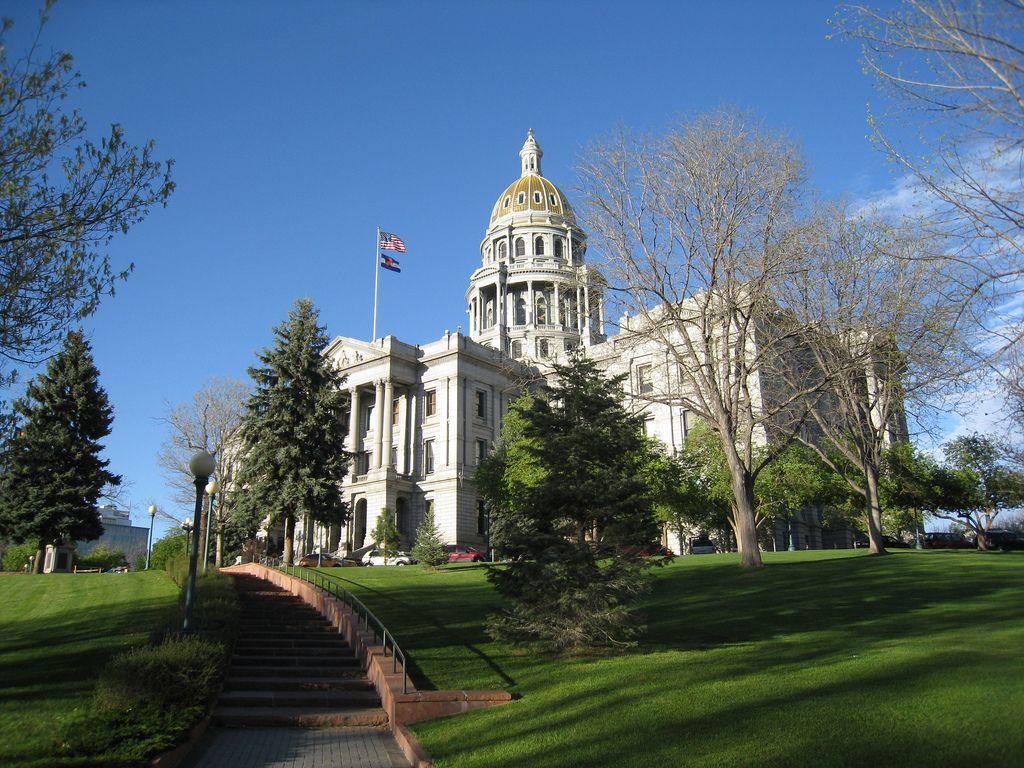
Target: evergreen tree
(54,474)
(571,507)
(385,535)
(293,438)
(429,549)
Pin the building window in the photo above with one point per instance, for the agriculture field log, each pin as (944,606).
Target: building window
(508,201)
(430,403)
(368,418)
(558,247)
(428,457)
(644,379)
(543,348)
(481,451)
(362,463)
(537,198)
(520,247)
(542,311)
(554,201)
(481,404)
(395,409)
(687,422)
(521,198)
(502,250)
(394,456)
(481,517)
(538,246)
(516,350)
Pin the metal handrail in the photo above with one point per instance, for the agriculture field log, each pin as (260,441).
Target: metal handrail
(371,622)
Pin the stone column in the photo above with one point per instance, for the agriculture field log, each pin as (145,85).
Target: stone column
(387,422)
(378,425)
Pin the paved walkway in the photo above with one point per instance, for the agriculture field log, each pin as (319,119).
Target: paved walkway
(296,748)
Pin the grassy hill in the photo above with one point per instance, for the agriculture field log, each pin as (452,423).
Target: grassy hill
(56,633)
(820,659)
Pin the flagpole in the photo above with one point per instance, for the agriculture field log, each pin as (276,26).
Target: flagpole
(376,281)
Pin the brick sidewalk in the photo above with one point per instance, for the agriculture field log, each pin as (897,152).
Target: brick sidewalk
(296,748)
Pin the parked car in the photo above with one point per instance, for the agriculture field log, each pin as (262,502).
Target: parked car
(945,540)
(890,542)
(702,545)
(323,560)
(1004,540)
(376,557)
(460,553)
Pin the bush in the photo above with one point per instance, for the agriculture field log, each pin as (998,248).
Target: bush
(101,557)
(181,672)
(17,556)
(429,549)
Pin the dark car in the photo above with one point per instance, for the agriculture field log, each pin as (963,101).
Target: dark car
(890,542)
(945,540)
(1004,540)
(314,560)
(460,553)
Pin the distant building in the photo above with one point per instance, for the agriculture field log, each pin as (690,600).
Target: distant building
(118,534)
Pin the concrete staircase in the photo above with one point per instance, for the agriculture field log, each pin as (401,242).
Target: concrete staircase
(292,668)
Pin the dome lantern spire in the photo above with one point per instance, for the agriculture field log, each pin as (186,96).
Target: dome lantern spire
(531,155)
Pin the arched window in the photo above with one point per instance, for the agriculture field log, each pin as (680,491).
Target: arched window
(538,246)
(558,247)
(520,247)
(520,311)
(542,311)
(516,349)
(543,349)
(502,250)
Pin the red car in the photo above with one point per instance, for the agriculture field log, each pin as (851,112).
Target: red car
(460,553)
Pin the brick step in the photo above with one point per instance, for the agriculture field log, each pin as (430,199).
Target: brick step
(302,699)
(352,671)
(372,717)
(292,683)
(315,651)
(335,661)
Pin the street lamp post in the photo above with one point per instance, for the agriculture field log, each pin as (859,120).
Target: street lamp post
(201,466)
(186,526)
(212,488)
(149,546)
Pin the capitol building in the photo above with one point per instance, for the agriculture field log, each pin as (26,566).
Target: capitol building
(422,416)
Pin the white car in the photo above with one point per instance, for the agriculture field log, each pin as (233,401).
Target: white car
(701,545)
(376,557)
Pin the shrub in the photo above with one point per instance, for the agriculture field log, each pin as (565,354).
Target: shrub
(17,556)
(182,672)
(101,557)
(429,549)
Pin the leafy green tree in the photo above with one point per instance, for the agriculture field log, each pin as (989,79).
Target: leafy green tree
(62,198)
(572,509)
(429,549)
(385,534)
(293,439)
(54,474)
(989,485)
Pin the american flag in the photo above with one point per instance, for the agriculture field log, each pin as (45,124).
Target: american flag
(389,242)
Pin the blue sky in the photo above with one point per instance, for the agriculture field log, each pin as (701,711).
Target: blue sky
(299,127)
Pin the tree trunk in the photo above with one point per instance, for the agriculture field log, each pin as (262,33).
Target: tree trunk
(874,510)
(37,564)
(745,524)
(289,540)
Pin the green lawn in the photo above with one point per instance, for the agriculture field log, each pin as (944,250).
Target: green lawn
(56,633)
(820,659)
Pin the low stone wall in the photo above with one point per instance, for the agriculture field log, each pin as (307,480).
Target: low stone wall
(383,670)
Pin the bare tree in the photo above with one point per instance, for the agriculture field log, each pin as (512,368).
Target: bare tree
(891,323)
(700,229)
(209,422)
(952,71)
